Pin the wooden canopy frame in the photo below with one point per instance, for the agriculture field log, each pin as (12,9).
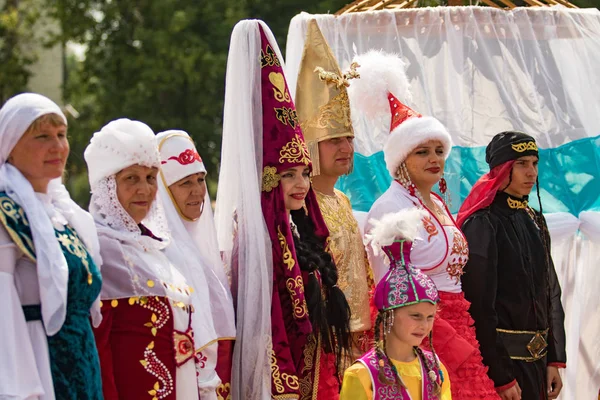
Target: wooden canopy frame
(374,5)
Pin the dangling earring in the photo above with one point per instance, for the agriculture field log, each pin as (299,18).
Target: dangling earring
(444,191)
(442,185)
(388,322)
(406,181)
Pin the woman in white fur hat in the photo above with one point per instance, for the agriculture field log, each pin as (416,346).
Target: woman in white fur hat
(194,250)
(146,339)
(415,152)
(49,269)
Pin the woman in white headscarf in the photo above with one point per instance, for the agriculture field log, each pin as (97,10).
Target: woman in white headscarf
(194,250)
(146,340)
(49,274)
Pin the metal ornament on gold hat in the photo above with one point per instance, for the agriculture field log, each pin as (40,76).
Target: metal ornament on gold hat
(321,97)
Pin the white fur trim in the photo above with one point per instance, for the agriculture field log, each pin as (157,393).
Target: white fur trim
(380,73)
(403,224)
(408,135)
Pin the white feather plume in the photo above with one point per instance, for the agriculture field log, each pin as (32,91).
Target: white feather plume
(380,73)
(403,224)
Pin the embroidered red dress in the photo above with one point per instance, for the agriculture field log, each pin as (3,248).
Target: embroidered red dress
(145,340)
(441,252)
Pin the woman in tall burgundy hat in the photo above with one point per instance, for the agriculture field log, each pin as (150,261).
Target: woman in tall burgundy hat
(285,346)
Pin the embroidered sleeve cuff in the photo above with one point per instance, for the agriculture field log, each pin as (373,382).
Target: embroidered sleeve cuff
(500,389)
(557,365)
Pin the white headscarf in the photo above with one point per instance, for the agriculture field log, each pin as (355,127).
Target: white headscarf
(118,145)
(17,114)
(196,240)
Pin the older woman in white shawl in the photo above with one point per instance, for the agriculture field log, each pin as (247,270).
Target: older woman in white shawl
(49,273)
(182,190)
(146,339)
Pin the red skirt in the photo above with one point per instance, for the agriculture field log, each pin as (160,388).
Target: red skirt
(328,387)
(455,343)
(223,369)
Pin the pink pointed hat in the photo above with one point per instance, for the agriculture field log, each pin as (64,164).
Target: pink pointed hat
(403,284)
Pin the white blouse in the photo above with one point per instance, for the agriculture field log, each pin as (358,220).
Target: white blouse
(440,251)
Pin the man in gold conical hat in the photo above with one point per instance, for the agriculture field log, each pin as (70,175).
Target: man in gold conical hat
(324,113)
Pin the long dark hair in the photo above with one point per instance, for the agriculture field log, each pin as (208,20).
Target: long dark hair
(328,308)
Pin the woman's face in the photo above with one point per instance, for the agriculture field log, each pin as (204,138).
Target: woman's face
(41,153)
(136,190)
(413,323)
(425,164)
(295,183)
(189,193)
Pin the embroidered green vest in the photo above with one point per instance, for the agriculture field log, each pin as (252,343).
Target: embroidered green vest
(14,220)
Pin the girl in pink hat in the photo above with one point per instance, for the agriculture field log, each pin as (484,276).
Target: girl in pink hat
(397,368)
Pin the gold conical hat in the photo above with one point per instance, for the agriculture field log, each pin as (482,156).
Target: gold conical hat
(321,96)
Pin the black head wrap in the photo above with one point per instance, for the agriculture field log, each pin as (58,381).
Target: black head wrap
(510,145)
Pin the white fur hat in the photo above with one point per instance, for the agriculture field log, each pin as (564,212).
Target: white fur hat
(120,144)
(382,79)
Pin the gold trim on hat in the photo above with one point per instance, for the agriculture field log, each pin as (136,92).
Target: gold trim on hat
(294,152)
(321,97)
(270,179)
(521,147)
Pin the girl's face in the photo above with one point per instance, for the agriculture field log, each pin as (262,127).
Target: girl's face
(413,323)
(295,183)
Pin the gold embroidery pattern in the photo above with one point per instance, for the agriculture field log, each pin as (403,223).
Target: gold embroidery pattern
(224,391)
(458,257)
(348,252)
(517,204)
(73,244)
(294,287)
(275,374)
(290,380)
(522,147)
(10,209)
(306,383)
(279,90)
(295,151)
(165,385)
(430,227)
(287,116)
(270,180)
(269,58)
(288,259)
(334,115)
(160,312)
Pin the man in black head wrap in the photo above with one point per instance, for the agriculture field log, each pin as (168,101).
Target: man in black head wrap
(510,278)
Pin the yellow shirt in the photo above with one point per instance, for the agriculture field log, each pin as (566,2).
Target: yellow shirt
(355,275)
(357,381)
